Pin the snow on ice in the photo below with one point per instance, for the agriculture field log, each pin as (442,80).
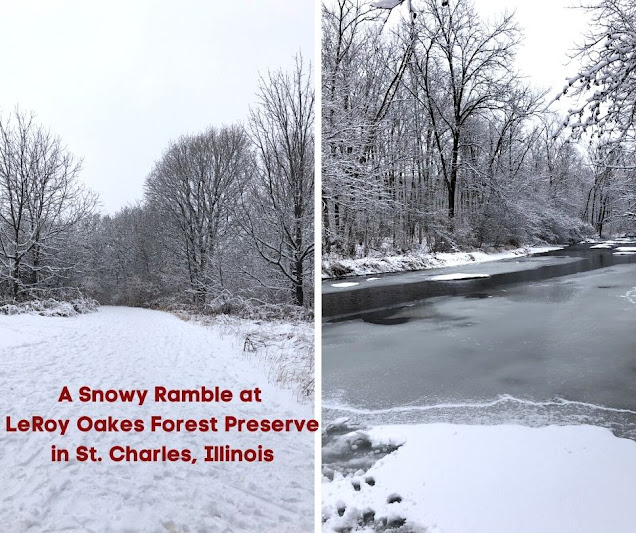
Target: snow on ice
(139,349)
(457,276)
(446,478)
(631,296)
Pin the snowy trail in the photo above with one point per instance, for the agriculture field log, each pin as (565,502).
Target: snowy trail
(128,349)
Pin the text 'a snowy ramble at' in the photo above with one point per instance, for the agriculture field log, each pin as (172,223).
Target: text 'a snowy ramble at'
(161,395)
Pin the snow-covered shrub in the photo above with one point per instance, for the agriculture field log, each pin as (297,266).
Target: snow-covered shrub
(84,305)
(288,354)
(51,307)
(251,308)
(281,338)
(336,269)
(9,309)
(61,309)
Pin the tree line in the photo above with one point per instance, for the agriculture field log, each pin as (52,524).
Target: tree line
(432,140)
(226,218)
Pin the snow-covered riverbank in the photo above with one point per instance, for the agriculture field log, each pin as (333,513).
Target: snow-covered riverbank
(337,268)
(125,348)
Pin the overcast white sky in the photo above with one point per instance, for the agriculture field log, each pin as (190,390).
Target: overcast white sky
(550,28)
(117,80)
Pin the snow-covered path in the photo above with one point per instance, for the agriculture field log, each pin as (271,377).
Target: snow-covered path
(124,348)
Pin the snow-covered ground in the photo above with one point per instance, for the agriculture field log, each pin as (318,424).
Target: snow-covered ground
(124,348)
(446,478)
(404,263)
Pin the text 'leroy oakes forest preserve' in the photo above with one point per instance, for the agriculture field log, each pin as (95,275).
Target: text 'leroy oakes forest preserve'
(156,423)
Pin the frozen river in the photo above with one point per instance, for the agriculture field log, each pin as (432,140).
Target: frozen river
(546,339)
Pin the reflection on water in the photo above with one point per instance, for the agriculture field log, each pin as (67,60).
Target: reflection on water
(397,289)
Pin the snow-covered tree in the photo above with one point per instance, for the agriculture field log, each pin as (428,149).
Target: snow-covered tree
(605,85)
(279,212)
(196,186)
(41,201)
(604,92)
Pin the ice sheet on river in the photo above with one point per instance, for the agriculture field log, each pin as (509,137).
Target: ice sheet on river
(571,337)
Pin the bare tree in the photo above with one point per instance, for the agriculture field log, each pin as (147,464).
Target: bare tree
(196,185)
(279,205)
(41,200)
(362,80)
(465,69)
